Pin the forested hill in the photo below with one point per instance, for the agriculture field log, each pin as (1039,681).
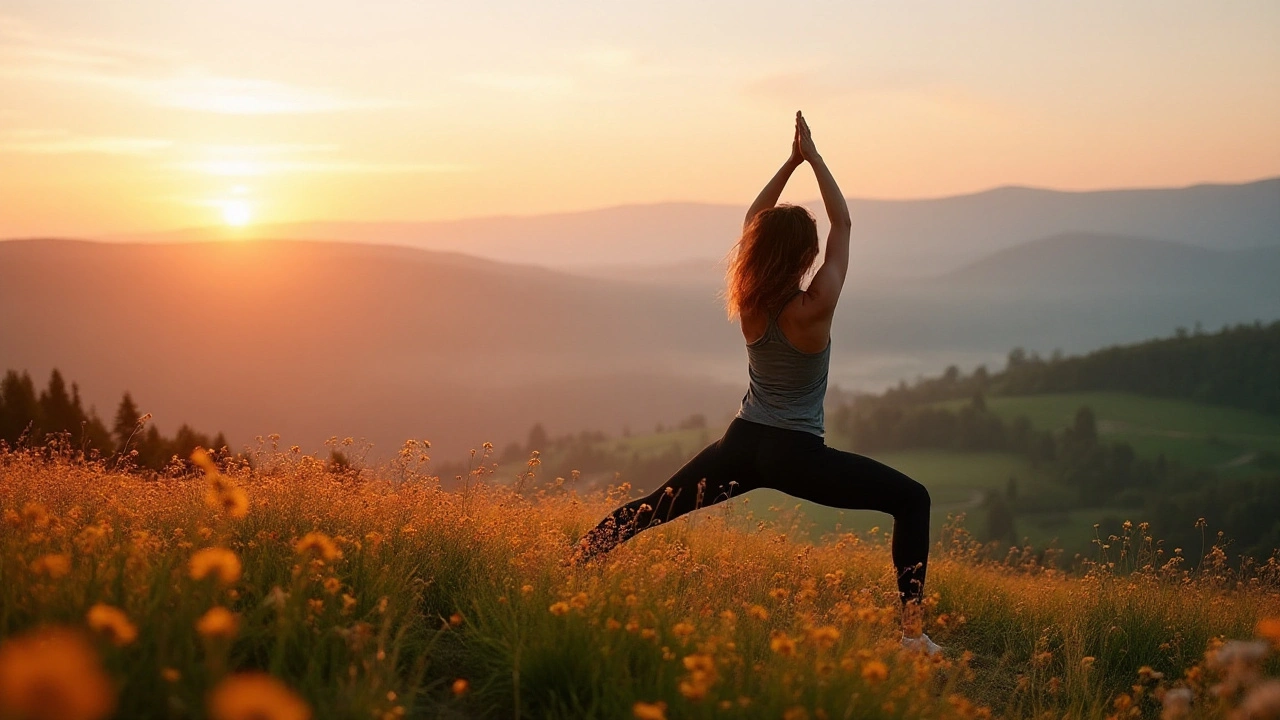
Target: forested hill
(1236,366)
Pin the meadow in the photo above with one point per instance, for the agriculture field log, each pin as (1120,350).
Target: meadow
(269,587)
(1195,434)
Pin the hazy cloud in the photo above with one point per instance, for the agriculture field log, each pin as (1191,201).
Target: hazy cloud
(157,78)
(292,158)
(59,142)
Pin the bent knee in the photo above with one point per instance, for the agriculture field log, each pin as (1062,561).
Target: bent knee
(918,497)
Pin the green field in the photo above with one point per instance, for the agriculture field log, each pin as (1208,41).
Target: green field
(1221,438)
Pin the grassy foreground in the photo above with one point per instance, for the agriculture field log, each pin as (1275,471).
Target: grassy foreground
(286,591)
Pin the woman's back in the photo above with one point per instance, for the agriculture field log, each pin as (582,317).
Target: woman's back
(786,385)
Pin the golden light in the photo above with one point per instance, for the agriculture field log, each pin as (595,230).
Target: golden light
(237,213)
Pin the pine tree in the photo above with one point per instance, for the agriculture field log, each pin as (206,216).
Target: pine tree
(19,407)
(126,423)
(537,439)
(57,407)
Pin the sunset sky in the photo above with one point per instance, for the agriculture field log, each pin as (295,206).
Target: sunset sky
(156,114)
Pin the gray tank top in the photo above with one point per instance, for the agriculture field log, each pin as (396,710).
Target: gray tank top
(787,385)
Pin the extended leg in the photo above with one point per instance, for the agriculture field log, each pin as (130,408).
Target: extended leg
(705,480)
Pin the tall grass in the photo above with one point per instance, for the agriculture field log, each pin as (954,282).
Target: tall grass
(381,594)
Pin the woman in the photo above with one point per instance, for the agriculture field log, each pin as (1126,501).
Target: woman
(776,440)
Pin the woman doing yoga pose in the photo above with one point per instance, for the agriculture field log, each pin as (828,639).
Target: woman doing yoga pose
(776,440)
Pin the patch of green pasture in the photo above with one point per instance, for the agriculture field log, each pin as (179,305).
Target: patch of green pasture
(1164,414)
(1184,431)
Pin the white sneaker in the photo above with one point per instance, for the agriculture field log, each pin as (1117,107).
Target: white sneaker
(921,644)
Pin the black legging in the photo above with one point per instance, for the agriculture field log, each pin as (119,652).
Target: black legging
(750,456)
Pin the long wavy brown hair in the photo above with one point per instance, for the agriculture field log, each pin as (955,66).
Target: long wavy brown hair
(777,248)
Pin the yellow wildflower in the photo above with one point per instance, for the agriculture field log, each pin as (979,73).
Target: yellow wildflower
(113,623)
(693,689)
(54,565)
(256,696)
(202,460)
(825,636)
(460,687)
(170,675)
(221,563)
(649,711)
(782,644)
(700,662)
(559,608)
(683,630)
(218,622)
(332,585)
(875,671)
(1269,629)
(318,544)
(53,674)
(1147,674)
(35,515)
(795,713)
(234,502)
(758,612)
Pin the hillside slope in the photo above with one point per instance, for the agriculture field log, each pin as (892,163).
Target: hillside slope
(311,339)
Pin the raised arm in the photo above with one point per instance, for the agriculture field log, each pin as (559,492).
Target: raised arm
(824,291)
(768,197)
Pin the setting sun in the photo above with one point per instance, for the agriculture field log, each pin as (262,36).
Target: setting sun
(237,213)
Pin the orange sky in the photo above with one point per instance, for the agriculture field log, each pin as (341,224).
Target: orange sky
(155,114)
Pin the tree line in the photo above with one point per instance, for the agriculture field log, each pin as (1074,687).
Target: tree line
(32,416)
(1238,366)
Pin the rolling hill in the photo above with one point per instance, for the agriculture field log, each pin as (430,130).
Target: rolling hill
(895,238)
(1085,261)
(310,339)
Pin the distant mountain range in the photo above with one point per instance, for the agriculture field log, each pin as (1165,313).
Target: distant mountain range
(895,238)
(319,338)
(1073,262)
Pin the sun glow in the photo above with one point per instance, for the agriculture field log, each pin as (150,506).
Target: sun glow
(237,213)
